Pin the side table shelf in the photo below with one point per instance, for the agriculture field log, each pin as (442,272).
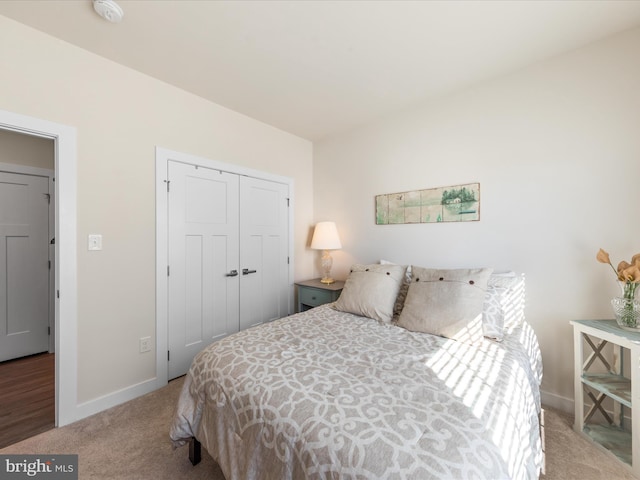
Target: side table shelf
(609,382)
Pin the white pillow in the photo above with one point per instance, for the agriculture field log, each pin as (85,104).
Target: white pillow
(493,312)
(503,305)
(371,291)
(447,303)
(511,292)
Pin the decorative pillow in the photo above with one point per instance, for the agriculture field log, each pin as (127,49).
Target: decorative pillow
(493,313)
(512,298)
(447,303)
(402,293)
(503,304)
(371,291)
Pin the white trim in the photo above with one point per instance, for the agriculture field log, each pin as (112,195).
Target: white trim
(163,156)
(567,405)
(552,400)
(166,155)
(66,307)
(43,172)
(162,260)
(96,405)
(26,170)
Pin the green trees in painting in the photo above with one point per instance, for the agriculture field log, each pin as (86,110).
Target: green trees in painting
(458,195)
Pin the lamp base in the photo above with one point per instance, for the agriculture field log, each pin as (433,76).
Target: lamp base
(325,262)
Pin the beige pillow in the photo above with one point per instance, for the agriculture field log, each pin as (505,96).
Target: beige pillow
(447,303)
(371,291)
(404,288)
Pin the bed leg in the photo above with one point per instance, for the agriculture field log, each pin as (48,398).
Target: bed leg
(195,451)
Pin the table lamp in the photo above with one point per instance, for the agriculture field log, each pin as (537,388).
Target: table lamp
(325,238)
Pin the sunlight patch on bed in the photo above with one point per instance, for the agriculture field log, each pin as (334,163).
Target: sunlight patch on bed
(471,372)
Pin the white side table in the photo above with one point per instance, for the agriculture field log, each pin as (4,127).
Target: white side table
(618,382)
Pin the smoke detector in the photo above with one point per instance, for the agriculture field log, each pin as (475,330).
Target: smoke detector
(109,10)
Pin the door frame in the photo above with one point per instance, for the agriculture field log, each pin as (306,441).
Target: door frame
(50,175)
(163,156)
(66,283)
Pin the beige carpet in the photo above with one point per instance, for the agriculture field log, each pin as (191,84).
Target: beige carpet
(131,442)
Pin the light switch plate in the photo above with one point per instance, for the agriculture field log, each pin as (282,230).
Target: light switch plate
(95,242)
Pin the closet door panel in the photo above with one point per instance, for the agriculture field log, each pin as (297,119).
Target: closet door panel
(264,229)
(203,303)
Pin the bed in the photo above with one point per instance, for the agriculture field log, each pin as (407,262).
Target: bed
(344,391)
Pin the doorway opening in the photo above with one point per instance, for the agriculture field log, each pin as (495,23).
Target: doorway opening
(27,278)
(64,256)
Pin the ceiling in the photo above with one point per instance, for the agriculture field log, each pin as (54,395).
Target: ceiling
(315,68)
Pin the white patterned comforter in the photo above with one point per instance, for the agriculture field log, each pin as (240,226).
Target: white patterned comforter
(326,394)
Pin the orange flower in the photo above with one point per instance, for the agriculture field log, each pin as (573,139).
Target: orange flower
(603,257)
(626,272)
(631,274)
(622,266)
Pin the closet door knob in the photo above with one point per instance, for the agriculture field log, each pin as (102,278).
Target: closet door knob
(232,273)
(246,271)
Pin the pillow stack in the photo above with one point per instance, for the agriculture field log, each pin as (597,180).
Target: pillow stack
(461,304)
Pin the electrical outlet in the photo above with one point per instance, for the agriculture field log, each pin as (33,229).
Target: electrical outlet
(145,344)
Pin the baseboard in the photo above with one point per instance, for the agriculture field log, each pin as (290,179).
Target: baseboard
(557,402)
(118,397)
(567,405)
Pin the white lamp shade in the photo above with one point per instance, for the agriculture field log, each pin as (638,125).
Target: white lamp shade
(325,237)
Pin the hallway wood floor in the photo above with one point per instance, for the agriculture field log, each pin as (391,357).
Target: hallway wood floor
(27,397)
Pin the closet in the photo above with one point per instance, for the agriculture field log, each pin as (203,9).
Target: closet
(228,256)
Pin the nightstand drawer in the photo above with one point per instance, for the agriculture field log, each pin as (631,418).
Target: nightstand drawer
(314,297)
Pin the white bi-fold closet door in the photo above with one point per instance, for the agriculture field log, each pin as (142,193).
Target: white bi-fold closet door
(228,257)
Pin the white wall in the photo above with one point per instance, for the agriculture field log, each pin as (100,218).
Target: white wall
(27,150)
(121,116)
(556,150)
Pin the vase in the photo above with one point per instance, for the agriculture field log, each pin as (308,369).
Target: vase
(626,308)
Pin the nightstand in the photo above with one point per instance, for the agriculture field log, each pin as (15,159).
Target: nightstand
(313,293)
(613,380)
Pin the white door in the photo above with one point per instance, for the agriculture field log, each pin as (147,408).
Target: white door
(203,261)
(264,249)
(24,265)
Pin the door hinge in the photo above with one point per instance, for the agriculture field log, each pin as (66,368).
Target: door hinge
(168,271)
(287,260)
(168,356)
(48,330)
(167,182)
(57,293)
(49,264)
(287,202)
(48,195)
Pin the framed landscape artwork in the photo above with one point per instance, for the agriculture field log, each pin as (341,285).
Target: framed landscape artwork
(460,203)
